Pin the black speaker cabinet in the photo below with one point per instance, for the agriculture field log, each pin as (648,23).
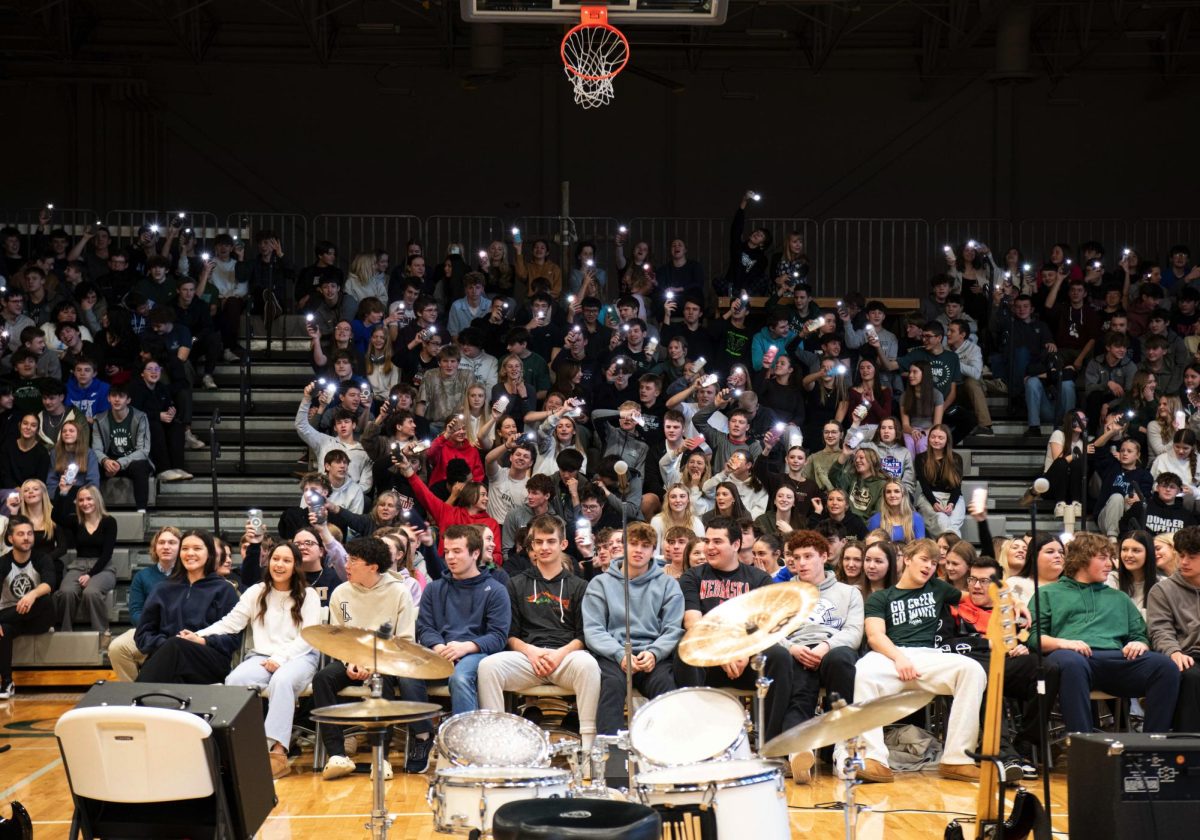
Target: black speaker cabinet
(1130,785)
(236,717)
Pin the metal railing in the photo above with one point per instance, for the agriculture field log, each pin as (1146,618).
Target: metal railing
(878,256)
(356,234)
(123,225)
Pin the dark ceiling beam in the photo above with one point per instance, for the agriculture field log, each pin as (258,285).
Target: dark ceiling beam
(320,27)
(828,38)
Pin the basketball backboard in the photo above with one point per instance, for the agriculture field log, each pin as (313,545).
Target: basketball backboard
(649,12)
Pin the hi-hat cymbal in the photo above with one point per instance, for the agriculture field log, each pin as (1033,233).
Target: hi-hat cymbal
(394,657)
(748,624)
(377,711)
(845,723)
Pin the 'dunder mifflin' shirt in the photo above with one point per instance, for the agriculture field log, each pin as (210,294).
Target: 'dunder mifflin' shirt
(911,615)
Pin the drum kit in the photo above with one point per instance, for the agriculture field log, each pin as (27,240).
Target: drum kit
(689,750)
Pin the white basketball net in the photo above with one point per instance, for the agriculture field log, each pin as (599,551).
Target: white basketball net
(593,51)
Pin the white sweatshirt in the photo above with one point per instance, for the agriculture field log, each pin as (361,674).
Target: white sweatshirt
(275,633)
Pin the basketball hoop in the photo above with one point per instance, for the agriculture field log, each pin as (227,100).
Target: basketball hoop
(593,53)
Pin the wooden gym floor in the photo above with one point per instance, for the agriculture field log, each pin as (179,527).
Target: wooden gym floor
(32,773)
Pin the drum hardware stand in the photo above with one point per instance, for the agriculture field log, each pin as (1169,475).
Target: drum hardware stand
(761,686)
(856,761)
(380,820)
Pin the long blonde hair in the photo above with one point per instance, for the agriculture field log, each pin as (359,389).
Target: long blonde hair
(685,519)
(363,267)
(77,454)
(902,516)
(101,510)
(47,518)
(474,422)
(683,473)
(386,365)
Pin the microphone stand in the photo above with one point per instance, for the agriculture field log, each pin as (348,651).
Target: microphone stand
(622,488)
(214,452)
(1043,720)
(1081,429)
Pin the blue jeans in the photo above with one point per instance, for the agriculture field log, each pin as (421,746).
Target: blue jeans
(464,691)
(1151,675)
(1038,404)
(998,362)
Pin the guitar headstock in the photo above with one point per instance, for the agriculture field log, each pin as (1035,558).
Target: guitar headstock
(1002,629)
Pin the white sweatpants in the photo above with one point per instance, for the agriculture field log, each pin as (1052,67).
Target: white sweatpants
(511,671)
(941,673)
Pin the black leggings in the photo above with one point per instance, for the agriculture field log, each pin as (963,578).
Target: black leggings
(1067,480)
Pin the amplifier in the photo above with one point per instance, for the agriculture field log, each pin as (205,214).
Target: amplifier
(236,717)
(1133,785)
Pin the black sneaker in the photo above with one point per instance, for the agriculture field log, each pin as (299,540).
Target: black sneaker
(533,714)
(1028,769)
(1013,771)
(986,431)
(1033,431)
(417,759)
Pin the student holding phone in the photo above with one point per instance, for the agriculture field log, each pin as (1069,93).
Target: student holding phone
(1124,481)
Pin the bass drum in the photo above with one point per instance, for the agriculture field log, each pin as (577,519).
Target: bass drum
(467,798)
(747,797)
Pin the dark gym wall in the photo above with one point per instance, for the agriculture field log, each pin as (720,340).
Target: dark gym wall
(360,139)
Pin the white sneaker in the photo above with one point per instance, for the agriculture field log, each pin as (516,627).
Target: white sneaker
(193,442)
(7,691)
(184,475)
(336,767)
(230,356)
(350,744)
(171,475)
(208,382)
(387,771)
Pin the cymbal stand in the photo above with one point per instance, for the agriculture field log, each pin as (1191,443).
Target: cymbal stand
(855,761)
(380,820)
(761,686)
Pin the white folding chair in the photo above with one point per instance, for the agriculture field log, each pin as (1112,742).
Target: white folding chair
(136,771)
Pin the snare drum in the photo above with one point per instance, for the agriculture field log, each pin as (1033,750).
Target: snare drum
(747,796)
(687,726)
(466,798)
(488,738)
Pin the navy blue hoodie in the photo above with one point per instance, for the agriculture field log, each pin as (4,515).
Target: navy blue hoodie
(175,606)
(473,610)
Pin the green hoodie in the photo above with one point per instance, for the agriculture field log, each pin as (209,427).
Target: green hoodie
(1094,613)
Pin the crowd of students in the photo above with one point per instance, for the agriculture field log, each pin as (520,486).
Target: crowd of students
(481,429)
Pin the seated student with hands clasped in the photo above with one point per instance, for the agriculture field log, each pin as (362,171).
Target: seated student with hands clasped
(546,635)
(1097,638)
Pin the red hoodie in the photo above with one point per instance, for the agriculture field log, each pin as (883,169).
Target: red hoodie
(446,515)
(443,450)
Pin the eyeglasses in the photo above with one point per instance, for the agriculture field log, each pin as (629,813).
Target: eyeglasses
(979,582)
(306,543)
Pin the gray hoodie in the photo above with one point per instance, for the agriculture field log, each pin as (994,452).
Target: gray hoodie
(656,622)
(897,462)
(836,618)
(1173,616)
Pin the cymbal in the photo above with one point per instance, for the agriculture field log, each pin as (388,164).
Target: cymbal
(378,711)
(393,657)
(845,723)
(748,624)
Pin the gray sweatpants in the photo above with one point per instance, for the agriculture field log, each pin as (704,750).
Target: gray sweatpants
(512,671)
